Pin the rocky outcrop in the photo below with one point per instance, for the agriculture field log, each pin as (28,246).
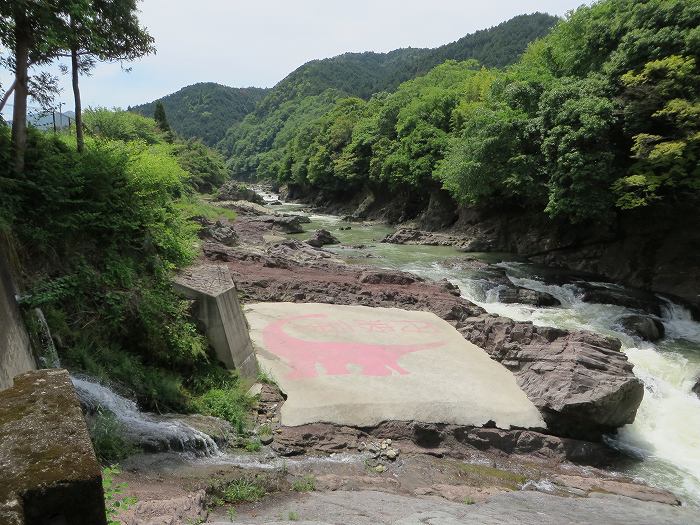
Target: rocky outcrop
(426,238)
(321,238)
(517,294)
(633,299)
(284,223)
(644,326)
(581,382)
(237,191)
(48,470)
(220,231)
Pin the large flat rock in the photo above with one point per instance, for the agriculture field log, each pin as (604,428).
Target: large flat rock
(360,366)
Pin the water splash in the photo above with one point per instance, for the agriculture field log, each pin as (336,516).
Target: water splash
(149,431)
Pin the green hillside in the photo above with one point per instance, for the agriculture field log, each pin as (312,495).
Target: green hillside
(255,144)
(205,110)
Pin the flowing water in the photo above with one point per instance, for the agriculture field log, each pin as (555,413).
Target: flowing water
(666,432)
(149,431)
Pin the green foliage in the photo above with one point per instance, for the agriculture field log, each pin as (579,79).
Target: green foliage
(602,114)
(206,167)
(160,117)
(122,125)
(115,503)
(230,404)
(293,516)
(108,438)
(289,111)
(304,484)
(205,110)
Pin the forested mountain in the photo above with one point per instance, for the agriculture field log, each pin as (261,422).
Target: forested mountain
(309,91)
(205,110)
(600,115)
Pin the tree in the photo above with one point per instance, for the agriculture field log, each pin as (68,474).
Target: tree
(160,118)
(102,30)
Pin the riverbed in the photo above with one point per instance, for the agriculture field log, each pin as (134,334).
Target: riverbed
(666,432)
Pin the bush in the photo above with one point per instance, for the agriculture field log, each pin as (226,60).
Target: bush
(108,439)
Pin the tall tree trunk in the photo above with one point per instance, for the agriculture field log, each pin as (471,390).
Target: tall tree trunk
(19,112)
(78,105)
(7,94)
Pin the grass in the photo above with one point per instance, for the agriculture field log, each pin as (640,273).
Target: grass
(243,490)
(265,378)
(107,438)
(293,516)
(305,484)
(253,445)
(193,206)
(265,430)
(469,501)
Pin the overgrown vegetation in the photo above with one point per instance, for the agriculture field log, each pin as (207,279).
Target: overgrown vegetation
(108,439)
(307,483)
(99,234)
(598,116)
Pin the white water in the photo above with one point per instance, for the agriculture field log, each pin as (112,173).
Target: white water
(147,430)
(666,432)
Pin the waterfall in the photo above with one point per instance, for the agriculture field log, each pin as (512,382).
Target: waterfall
(48,356)
(149,431)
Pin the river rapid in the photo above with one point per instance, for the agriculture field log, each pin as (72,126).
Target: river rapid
(666,432)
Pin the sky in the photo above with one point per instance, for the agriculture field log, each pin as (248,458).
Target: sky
(257,43)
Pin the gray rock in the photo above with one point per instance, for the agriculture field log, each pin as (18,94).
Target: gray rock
(696,388)
(266,439)
(237,191)
(286,223)
(644,326)
(634,299)
(321,238)
(517,294)
(222,231)
(378,277)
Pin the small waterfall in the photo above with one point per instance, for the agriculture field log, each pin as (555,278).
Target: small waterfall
(143,429)
(48,356)
(679,322)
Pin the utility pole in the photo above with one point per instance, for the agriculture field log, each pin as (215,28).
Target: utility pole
(60,114)
(53,114)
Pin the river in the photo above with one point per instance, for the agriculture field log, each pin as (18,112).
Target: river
(666,432)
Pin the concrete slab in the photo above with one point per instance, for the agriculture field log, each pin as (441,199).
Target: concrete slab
(218,309)
(359,366)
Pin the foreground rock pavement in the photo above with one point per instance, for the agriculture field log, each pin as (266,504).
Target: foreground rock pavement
(523,508)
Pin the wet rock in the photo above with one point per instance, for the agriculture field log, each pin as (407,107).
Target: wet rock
(696,388)
(517,294)
(644,326)
(222,432)
(420,237)
(321,238)
(634,299)
(237,191)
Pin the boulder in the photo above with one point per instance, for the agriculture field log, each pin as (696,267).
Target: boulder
(580,381)
(321,238)
(286,223)
(237,191)
(220,231)
(645,326)
(517,294)
(633,299)
(696,388)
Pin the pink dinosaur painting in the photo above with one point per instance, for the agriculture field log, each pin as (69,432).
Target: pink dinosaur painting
(335,356)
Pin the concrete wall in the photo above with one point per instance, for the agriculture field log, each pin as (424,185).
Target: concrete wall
(15,352)
(218,309)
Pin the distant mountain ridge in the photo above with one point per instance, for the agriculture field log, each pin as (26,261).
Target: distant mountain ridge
(254,145)
(363,74)
(205,110)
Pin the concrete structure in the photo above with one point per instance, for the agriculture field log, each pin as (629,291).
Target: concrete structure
(48,470)
(360,366)
(218,309)
(15,351)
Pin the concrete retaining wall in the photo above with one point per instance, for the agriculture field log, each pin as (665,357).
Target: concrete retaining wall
(15,351)
(218,309)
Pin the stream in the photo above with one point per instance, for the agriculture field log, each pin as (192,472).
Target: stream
(666,432)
